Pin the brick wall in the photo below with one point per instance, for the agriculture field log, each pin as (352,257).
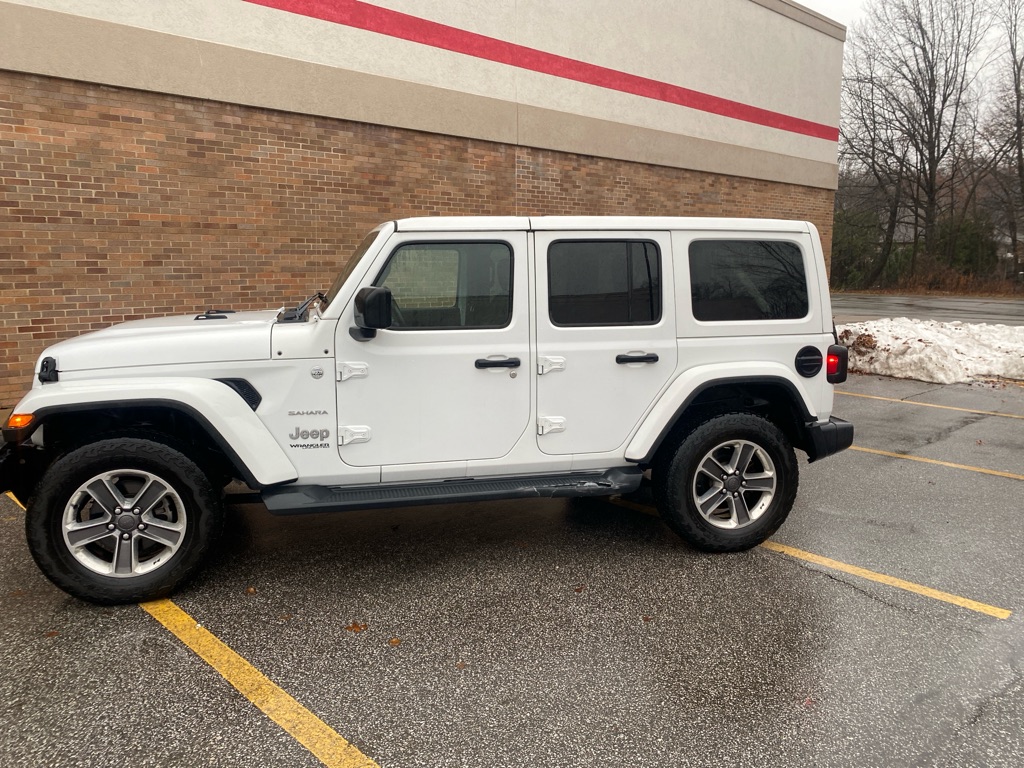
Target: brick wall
(118,204)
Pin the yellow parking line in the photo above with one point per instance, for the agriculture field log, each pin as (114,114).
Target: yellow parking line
(892,581)
(305,727)
(949,464)
(14,498)
(931,405)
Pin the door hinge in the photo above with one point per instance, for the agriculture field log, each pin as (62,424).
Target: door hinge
(349,434)
(348,371)
(549,424)
(550,364)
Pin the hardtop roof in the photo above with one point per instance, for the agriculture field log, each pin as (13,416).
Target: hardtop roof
(590,223)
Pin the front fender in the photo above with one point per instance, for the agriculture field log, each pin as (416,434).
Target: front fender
(685,389)
(219,409)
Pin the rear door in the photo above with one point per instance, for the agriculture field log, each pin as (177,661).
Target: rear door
(606,341)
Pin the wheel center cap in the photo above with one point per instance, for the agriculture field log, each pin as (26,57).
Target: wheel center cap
(732,484)
(126,522)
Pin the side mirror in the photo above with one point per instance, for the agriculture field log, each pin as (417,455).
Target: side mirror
(373,311)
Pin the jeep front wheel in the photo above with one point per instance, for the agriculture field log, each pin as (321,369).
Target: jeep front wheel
(122,520)
(729,485)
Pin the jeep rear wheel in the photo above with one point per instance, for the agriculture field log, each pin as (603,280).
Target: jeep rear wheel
(122,520)
(730,483)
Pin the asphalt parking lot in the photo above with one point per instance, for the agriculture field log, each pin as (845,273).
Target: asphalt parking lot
(882,627)
(857,307)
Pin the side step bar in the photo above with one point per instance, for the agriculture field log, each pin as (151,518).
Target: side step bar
(299,499)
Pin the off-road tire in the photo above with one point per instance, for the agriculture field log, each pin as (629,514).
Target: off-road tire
(679,482)
(201,518)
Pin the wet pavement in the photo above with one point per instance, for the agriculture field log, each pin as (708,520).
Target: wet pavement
(858,307)
(576,634)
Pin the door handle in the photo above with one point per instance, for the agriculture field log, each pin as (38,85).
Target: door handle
(508,362)
(626,359)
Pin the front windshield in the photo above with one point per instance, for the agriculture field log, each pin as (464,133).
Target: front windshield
(350,265)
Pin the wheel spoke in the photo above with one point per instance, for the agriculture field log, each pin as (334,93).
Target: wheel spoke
(163,533)
(710,501)
(740,511)
(743,456)
(104,494)
(762,482)
(81,534)
(125,556)
(713,469)
(151,495)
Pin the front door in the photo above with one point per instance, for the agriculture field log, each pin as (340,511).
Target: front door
(606,335)
(448,382)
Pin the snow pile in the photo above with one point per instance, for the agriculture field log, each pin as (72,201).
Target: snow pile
(943,353)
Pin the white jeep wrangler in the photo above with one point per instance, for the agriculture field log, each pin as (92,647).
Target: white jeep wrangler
(453,359)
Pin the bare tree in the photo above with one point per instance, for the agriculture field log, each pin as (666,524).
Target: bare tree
(872,146)
(910,100)
(1006,125)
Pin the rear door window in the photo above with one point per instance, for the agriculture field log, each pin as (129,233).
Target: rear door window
(604,282)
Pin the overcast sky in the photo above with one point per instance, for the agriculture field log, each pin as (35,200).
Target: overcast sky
(843,11)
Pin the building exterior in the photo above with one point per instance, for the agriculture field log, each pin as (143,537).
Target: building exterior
(174,155)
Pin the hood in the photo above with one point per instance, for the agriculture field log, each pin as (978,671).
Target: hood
(168,341)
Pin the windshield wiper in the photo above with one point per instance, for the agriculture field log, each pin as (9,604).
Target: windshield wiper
(299,314)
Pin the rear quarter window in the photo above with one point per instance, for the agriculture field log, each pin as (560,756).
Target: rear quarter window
(734,280)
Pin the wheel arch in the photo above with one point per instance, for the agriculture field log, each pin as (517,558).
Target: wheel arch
(204,414)
(776,398)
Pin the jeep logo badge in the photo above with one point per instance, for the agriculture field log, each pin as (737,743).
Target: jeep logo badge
(310,434)
(317,372)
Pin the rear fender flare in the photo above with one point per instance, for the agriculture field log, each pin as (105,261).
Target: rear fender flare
(691,383)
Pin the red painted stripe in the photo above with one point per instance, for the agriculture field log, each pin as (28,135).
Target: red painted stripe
(372,18)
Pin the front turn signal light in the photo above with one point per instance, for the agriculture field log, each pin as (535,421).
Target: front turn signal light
(19,420)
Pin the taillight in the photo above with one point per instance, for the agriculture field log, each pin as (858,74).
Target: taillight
(836,362)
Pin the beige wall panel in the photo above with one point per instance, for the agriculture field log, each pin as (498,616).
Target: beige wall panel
(491,18)
(804,15)
(536,90)
(550,129)
(494,18)
(62,45)
(253,27)
(737,49)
